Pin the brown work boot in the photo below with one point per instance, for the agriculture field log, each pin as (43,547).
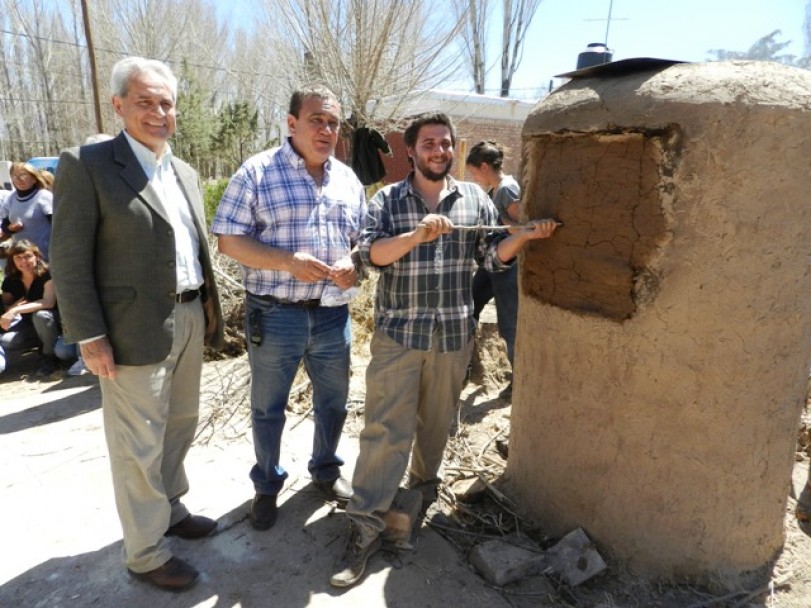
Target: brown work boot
(174,575)
(363,542)
(192,527)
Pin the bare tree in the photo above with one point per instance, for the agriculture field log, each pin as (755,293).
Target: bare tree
(11,99)
(365,50)
(518,15)
(474,14)
(151,28)
(38,71)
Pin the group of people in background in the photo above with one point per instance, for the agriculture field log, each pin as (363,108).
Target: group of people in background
(298,223)
(30,315)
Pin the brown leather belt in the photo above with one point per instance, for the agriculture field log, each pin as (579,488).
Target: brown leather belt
(184,297)
(297,303)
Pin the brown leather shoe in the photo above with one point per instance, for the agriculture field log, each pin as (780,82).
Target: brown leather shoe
(174,575)
(192,526)
(339,490)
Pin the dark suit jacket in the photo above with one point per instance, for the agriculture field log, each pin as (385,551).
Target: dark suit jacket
(113,252)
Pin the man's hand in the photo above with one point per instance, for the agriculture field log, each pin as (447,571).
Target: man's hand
(98,357)
(343,273)
(307,268)
(537,229)
(432,227)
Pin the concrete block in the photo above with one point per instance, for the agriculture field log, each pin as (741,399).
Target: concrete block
(574,558)
(502,563)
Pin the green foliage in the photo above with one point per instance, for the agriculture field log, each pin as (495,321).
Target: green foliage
(212,194)
(236,133)
(196,123)
(215,142)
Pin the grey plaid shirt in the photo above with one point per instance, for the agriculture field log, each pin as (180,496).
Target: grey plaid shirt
(428,289)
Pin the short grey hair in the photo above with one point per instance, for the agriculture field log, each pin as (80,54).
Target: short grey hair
(126,69)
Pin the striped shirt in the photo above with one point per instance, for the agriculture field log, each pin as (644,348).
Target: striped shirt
(428,290)
(273,199)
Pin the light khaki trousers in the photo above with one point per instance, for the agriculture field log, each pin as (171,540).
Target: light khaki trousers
(411,397)
(150,418)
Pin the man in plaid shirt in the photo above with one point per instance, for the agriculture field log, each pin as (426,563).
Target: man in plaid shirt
(424,326)
(291,216)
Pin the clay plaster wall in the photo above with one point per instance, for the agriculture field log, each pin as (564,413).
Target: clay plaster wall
(665,331)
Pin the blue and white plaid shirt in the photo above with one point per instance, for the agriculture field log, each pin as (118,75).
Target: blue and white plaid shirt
(429,288)
(273,199)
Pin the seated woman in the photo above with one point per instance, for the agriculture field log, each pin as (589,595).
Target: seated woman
(30,318)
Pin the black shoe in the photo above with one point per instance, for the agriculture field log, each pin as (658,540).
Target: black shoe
(263,511)
(339,489)
(192,527)
(174,575)
(49,368)
(363,543)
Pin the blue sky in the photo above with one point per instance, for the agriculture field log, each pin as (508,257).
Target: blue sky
(673,29)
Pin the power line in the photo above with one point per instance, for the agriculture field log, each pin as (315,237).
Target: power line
(46,100)
(79,45)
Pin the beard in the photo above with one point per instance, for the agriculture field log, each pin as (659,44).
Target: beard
(431,175)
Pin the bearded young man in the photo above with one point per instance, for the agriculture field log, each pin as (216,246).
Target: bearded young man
(423,326)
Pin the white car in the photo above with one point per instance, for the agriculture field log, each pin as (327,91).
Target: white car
(48,163)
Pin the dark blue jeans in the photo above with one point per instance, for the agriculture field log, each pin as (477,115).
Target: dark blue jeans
(321,338)
(503,286)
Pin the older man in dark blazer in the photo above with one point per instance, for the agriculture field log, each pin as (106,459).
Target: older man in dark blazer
(134,279)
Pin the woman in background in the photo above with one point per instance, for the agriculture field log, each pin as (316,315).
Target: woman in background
(27,211)
(483,163)
(30,318)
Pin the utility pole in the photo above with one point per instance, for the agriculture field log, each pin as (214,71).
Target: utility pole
(91,52)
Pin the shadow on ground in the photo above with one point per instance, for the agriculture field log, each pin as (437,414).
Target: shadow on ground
(288,566)
(57,410)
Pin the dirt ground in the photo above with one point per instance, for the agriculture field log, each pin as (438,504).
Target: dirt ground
(63,539)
